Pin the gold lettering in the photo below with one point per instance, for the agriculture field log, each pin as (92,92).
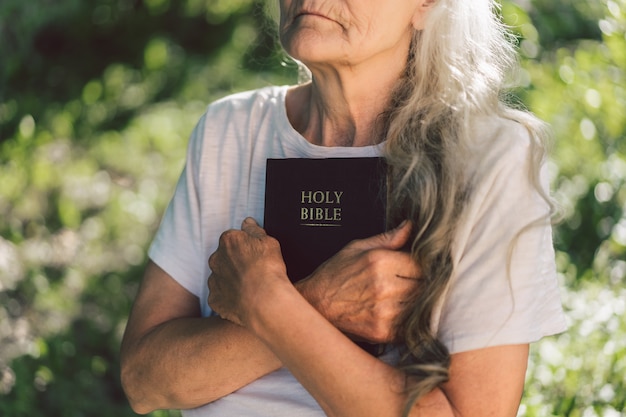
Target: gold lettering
(318,213)
(321,197)
(337,214)
(318,197)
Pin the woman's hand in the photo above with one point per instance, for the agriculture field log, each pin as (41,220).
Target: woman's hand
(244,260)
(363,290)
(366,287)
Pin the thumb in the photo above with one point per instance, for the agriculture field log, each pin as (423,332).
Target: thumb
(392,239)
(251,227)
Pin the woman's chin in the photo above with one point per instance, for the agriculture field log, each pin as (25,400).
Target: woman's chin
(311,45)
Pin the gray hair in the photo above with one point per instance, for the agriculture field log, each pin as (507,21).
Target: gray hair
(457,71)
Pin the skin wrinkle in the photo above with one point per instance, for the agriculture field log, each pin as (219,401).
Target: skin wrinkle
(357,35)
(343,104)
(374,309)
(254,292)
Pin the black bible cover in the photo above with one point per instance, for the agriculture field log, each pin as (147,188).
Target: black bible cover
(314,207)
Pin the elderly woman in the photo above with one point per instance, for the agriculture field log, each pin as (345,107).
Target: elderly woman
(418,82)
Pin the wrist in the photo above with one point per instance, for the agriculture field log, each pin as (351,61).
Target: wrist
(270,306)
(311,292)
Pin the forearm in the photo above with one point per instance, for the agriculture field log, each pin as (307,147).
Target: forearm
(188,362)
(344,379)
(249,286)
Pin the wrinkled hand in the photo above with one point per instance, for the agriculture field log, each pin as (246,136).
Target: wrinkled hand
(365,289)
(244,260)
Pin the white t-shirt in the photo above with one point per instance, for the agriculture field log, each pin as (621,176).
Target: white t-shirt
(224,180)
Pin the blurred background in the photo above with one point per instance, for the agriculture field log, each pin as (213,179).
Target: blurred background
(97,99)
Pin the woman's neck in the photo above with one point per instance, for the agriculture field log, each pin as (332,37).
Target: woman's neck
(339,110)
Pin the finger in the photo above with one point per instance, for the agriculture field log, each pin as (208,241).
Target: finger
(406,284)
(398,237)
(392,239)
(411,280)
(211,283)
(408,268)
(405,290)
(213,260)
(251,227)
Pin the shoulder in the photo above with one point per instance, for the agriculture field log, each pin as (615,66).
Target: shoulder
(497,146)
(506,171)
(504,270)
(243,102)
(497,138)
(230,120)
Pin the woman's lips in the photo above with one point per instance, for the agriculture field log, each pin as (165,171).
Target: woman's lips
(312,14)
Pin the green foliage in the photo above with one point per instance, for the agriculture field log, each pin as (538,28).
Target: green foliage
(581,92)
(574,79)
(51,49)
(97,99)
(89,160)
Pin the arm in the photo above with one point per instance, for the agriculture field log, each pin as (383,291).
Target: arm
(168,359)
(348,382)
(173,358)
(365,288)
(249,287)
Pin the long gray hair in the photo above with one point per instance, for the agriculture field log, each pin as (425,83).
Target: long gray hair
(457,71)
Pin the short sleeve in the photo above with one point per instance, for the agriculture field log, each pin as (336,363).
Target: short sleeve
(504,288)
(178,244)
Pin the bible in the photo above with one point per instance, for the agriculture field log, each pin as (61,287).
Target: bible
(314,207)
